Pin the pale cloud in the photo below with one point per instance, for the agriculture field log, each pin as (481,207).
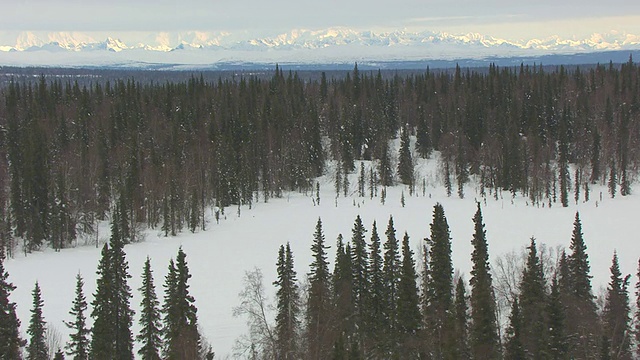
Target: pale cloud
(499,17)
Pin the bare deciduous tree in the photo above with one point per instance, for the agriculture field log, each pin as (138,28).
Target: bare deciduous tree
(260,341)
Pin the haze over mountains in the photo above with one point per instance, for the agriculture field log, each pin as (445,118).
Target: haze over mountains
(297,46)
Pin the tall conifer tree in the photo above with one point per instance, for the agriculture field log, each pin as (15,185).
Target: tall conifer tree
(102,332)
(558,342)
(10,341)
(484,341)
(37,348)
(514,349)
(150,336)
(359,263)
(180,328)
(78,345)
(440,285)
(376,302)
(408,303)
(533,299)
(288,306)
(405,162)
(319,300)
(616,313)
(391,278)
(461,322)
(582,319)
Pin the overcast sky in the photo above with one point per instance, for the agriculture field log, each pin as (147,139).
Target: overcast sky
(500,18)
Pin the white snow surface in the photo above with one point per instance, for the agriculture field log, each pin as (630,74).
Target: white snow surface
(219,256)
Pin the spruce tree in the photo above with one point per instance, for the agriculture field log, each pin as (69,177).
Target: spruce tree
(483,332)
(384,166)
(391,278)
(616,320)
(150,329)
(288,306)
(37,348)
(440,285)
(408,311)
(359,263)
(122,316)
(78,345)
(405,162)
(613,181)
(102,332)
(10,341)
(319,299)
(558,342)
(423,139)
(532,302)
(582,319)
(461,322)
(180,329)
(343,288)
(514,349)
(375,302)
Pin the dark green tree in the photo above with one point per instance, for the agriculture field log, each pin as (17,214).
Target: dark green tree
(384,166)
(533,300)
(423,138)
(150,335)
(483,332)
(615,315)
(376,302)
(461,322)
(613,180)
(37,348)
(122,316)
(102,332)
(359,265)
(391,277)
(288,306)
(78,345)
(582,320)
(10,341)
(342,282)
(405,161)
(319,299)
(514,348)
(439,296)
(180,328)
(558,342)
(408,310)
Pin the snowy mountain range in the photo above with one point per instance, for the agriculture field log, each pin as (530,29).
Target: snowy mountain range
(301,46)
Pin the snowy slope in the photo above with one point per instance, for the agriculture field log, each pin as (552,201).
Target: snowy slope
(218,257)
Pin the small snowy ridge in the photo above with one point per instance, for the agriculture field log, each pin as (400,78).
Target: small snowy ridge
(219,256)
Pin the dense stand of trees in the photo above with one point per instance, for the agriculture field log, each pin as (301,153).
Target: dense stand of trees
(167,332)
(382,306)
(159,154)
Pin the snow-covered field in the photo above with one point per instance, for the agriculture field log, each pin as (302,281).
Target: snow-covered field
(219,256)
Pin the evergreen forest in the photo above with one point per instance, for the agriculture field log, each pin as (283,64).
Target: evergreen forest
(154,155)
(157,155)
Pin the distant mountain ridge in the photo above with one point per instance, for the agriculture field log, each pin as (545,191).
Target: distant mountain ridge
(310,39)
(331,45)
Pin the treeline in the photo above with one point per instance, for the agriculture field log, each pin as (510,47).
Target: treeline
(169,331)
(378,304)
(162,153)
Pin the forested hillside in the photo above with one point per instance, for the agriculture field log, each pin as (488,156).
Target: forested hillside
(162,153)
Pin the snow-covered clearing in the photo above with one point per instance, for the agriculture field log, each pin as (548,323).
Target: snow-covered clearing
(219,256)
